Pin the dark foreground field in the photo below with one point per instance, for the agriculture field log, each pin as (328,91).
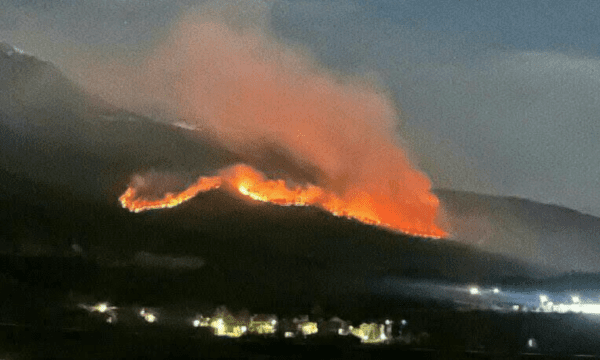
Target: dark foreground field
(451,334)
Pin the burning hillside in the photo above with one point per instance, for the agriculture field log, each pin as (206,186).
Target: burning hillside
(224,73)
(249,182)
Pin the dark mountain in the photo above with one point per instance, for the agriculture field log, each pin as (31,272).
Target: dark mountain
(65,157)
(549,235)
(259,256)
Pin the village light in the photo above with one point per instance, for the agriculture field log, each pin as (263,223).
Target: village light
(474,290)
(149,316)
(575,299)
(496,290)
(196,323)
(309,328)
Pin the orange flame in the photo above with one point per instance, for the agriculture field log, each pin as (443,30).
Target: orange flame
(358,205)
(130,201)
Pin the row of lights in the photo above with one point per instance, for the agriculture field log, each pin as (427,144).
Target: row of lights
(474,290)
(105,308)
(547,305)
(365,332)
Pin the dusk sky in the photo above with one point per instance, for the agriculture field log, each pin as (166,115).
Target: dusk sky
(495,97)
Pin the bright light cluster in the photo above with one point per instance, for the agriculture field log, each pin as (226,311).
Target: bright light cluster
(476,290)
(372,333)
(149,316)
(576,308)
(309,328)
(102,308)
(228,325)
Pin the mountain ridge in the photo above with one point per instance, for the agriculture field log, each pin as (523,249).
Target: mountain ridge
(62,174)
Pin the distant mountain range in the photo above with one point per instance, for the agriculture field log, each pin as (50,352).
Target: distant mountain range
(65,157)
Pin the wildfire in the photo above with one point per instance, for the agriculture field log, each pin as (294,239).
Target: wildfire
(131,202)
(356,204)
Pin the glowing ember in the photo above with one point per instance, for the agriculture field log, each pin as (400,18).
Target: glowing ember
(359,205)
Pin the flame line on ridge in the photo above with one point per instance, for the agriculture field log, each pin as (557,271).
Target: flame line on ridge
(254,185)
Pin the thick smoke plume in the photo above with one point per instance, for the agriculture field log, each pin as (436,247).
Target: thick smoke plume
(223,71)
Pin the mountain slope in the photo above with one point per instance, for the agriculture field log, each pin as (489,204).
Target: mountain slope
(262,256)
(549,235)
(66,158)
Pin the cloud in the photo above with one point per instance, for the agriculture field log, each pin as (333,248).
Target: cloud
(527,119)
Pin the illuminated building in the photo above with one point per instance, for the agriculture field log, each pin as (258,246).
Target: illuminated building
(223,323)
(308,328)
(304,326)
(263,324)
(370,333)
(228,326)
